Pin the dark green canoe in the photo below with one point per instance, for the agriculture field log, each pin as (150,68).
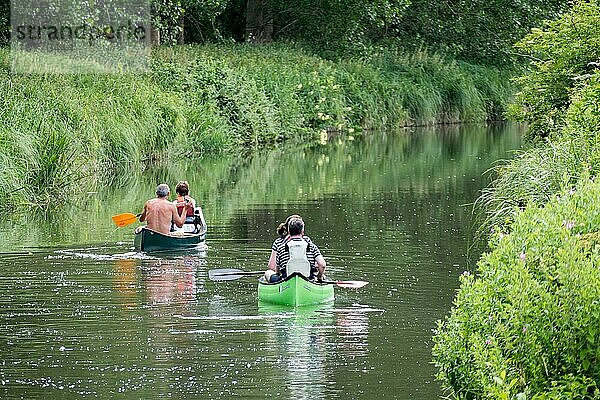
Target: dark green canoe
(148,240)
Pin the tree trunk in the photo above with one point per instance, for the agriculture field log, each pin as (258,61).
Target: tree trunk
(154,36)
(259,21)
(181,23)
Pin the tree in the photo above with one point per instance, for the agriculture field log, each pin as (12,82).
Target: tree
(4,21)
(334,22)
(169,17)
(259,21)
(563,55)
(476,30)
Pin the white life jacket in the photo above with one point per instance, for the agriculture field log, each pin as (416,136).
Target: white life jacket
(298,261)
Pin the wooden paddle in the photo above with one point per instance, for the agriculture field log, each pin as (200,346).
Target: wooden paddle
(125,219)
(230,274)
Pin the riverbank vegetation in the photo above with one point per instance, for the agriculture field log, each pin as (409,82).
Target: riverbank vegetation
(525,326)
(559,101)
(57,131)
(230,76)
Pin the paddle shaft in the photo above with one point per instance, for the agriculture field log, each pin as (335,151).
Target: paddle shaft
(239,273)
(229,274)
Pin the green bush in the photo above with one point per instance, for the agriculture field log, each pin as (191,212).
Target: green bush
(538,173)
(527,325)
(564,53)
(583,123)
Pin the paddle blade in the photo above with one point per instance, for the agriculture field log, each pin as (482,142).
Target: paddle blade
(125,219)
(350,284)
(230,274)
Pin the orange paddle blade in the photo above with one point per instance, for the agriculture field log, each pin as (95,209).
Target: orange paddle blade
(125,219)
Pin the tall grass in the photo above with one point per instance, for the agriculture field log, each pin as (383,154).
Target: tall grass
(532,178)
(545,169)
(57,130)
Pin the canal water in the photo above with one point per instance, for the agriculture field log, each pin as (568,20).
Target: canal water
(82,315)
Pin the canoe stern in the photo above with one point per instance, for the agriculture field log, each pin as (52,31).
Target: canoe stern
(148,240)
(295,291)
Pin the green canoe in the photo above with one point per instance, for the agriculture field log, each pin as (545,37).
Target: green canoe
(295,290)
(148,240)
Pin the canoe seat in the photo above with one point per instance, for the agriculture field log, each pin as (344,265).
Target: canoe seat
(192,224)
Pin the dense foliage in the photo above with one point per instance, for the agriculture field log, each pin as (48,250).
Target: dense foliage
(482,30)
(473,30)
(4,21)
(346,23)
(559,98)
(56,129)
(564,55)
(526,326)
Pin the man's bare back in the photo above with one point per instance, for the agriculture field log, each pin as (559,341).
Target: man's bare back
(160,212)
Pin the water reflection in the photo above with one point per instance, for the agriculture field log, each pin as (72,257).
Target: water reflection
(421,162)
(83,315)
(171,282)
(300,338)
(305,340)
(125,282)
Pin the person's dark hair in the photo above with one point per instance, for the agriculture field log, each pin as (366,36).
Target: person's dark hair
(183,188)
(295,226)
(282,229)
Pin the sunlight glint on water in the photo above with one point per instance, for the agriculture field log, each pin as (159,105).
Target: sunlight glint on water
(85,316)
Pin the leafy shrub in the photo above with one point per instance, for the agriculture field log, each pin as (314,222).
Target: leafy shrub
(538,173)
(583,123)
(563,53)
(527,325)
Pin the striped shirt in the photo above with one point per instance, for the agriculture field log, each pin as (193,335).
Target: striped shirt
(283,255)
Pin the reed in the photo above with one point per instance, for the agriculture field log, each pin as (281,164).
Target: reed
(541,171)
(57,130)
(531,179)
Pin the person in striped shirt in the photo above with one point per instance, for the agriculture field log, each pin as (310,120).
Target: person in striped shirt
(291,236)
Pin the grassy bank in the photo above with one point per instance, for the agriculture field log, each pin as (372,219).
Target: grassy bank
(57,131)
(526,325)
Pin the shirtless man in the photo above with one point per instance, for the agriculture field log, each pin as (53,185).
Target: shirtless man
(159,212)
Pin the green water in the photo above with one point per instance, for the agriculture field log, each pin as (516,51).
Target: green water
(84,316)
